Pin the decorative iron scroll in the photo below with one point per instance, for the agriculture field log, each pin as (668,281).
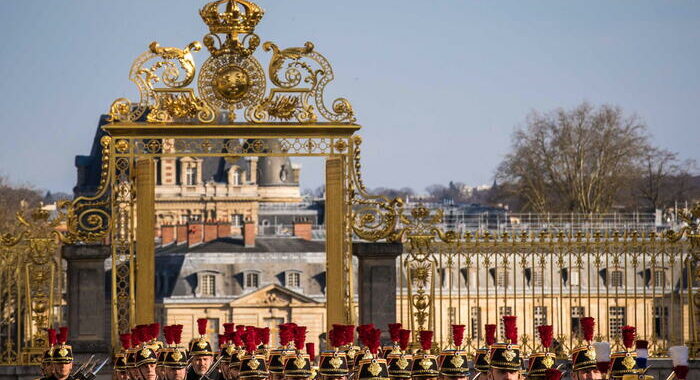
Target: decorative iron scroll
(30,286)
(617,277)
(231,79)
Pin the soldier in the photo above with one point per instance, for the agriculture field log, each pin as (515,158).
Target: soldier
(334,362)
(679,357)
(364,334)
(145,356)
(62,357)
(399,364)
(540,362)
(226,350)
(131,352)
(297,366)
(453,362)
(374,367)
(583,357)
(253,365)
(277,356)
(175,360)
(120,365)
(201,353)
(235,344)
(624,362)
(504,358)
(425,363)
(46,368)
(394,329)
(481,356)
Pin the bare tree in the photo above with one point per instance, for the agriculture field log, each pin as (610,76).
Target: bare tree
(574,160)
(12,198)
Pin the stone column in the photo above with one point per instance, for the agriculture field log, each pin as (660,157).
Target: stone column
(87,319)
(377,282)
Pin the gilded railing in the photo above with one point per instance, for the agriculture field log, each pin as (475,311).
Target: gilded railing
(643,279)
(30,287)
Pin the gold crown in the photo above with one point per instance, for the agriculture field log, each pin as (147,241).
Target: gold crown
(238,16)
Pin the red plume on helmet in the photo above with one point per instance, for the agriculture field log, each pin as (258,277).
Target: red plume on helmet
(511,330)
(394,331)
(154,329)
(125,339)
(349,334)
(52,336)
(546,332)
(363,333)
(299,337)
(587,325)
(264,335)
(628,335)
(426,339)
(237,339)
(311,350)
(177,333)
(373,344)
(228,328)
(168,334)
(62,335)
(240,328)
(404,338)
(135,337)
(202,326)
(336,336)
(458,334)
(490,334)
(251,341)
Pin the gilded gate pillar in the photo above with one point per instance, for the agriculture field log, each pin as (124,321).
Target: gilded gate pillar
(145,242)
(88,316)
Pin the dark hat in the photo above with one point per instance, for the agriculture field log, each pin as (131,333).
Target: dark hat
(120,362)
(146,355)
(425,365)
(539,363)
(623,363)
(359,356)
(253,367)
(481,360)
(399,365)
(276,359)
(505,356)
(583,358)
(48,354)
(453,363)
(201,346)
(352,352)
(373,369)
(297,365)
(176,357)
(333,363)
(131,357)
(62,353)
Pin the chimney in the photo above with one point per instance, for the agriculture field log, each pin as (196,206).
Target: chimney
(302,229)
(223,229)
(167,234)
(195,232)
(210,232)
(181,232)
(249,234)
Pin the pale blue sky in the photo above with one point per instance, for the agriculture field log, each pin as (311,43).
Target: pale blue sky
(437,85)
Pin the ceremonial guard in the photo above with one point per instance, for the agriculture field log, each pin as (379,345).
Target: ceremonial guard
(481,356)
(394,329)
(146,356)
(298,364)
(540,361)
(235,342)
(372,367)
(425,363)
(226,350)
(400,364)
(46,367)
(504,358)
(583,357)
(62,357)
(120,365)
(201,353)
(253,364)
(624,362)
(175,356)
(277,356)
(334,363)
(364,335)
(453,362)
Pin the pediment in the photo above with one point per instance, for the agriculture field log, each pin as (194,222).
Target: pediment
(273,296)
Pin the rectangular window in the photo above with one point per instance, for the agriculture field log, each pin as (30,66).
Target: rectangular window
(236,220)
(659,278)
(502,278)
(476,322)
(191,175)
(577,312)
(538,277)
(616,319)
(293,279)
(617,278)
(540,314)
(661,326)
(208,285)
(503,310)
(252,280)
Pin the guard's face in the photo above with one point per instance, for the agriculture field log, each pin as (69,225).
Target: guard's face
(592,374)
(334,378)
(175,373)
(47,369)
(160,372)
(122,375)
(148,371)
(201,364)
(502,374)
(62,370)
(233,371)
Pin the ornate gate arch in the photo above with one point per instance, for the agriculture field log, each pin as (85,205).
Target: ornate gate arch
(238,109)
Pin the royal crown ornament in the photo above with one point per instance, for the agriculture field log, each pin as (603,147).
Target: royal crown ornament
(231,17)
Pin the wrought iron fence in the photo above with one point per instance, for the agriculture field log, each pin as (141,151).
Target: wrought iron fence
(619,278)
(30,287)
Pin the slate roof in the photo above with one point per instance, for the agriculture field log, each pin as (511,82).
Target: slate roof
(262,245)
